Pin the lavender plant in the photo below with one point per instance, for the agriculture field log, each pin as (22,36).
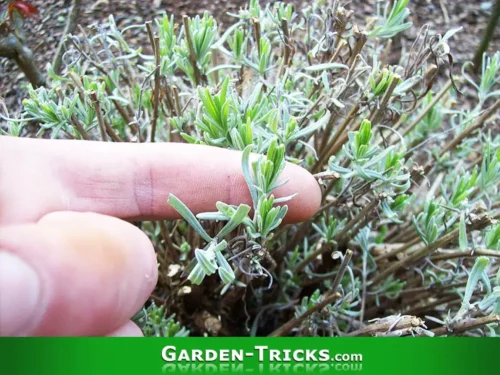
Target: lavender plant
(406,241)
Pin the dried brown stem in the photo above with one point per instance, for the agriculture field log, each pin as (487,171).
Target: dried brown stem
(327,176)
(377,115)
(292,323)
(177,101)
(340,273)
(361,39)
(476,125)
(343,17)
(432,289)
(155,42)
(466,325)
(405,235)
(466,254)
(69,29)
(74,119)
(358,218)
(399,250)
(111,132)
(477,223)
(257,33)
(390,324)
(425,111)
(192,55)
(330,148)
(424,308)
(100,120)
(174,249)
(287,49)
(79,128)
(322,249)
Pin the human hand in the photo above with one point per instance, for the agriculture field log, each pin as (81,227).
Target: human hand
(70,263)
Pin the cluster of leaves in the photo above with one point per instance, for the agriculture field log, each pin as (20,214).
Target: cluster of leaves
(259,228)
(393,20)
(154,323)
(409,168)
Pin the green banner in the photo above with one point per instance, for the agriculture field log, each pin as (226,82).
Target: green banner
(92,356)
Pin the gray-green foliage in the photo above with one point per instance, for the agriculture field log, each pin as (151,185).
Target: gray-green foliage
(393,20)
(154,323)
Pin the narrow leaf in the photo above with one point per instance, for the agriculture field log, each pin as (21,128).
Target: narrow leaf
(197,275)
(462,238)
(248,174)
(205,262)
(474,277)
(238,217)
(186,213)
(317,67)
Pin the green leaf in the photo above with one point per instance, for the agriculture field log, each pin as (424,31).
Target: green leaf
(186,213)
(327,66)
(492,238)
(491,299)
(226,276)
(225,271)
(212,216)
(205,260)
(245,164)
(462,238)
(475,275)
(219,247)
(312,128)
(197,275)
(189,139)
(238,217)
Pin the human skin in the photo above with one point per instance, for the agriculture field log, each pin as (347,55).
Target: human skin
(71,263)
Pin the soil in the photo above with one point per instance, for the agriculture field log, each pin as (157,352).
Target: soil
(44,32)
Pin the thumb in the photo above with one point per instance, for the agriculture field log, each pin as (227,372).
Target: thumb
(73,274)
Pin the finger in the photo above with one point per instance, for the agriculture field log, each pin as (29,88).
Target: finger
(131,181)
(73,274)
(130,329)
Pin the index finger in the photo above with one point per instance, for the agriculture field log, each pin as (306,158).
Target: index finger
(131,181)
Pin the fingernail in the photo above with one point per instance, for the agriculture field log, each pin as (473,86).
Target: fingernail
(19,295)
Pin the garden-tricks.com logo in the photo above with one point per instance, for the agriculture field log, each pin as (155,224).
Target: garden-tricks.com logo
(260,358)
